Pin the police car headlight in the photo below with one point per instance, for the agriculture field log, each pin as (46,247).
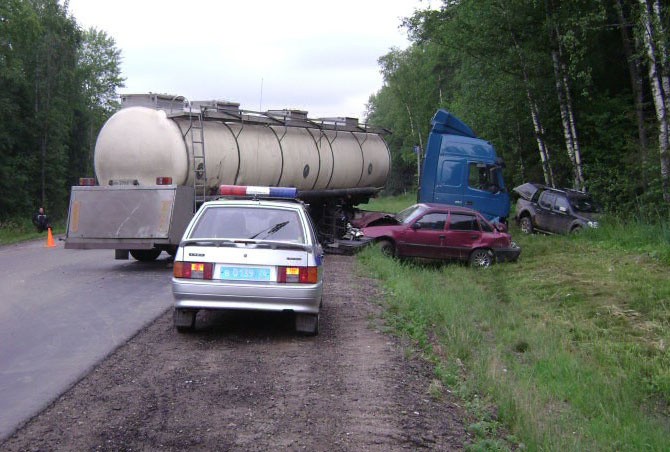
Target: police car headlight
(592,224)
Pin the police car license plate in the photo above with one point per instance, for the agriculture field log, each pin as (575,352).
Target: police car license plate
(245,273)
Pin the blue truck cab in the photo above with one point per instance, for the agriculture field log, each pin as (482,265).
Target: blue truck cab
(463,170)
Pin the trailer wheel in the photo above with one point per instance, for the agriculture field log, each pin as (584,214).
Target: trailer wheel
(145,255)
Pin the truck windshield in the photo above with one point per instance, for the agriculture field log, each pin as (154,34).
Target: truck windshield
(243,223)
(407,215)
(584,204)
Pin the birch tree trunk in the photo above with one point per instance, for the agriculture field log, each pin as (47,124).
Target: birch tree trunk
(657,24)
(636,81)
(519,140)
(565,100)
(411,127)
(658,94)
(532,104)
(539,136)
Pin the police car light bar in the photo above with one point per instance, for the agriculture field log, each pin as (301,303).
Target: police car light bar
(264,192)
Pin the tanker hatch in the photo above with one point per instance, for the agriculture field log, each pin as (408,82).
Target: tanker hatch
(288,114)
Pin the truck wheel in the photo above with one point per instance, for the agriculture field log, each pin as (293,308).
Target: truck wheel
(184,320)
(386,247)
(481,258)
(145,255)
(526,224)
(307,324)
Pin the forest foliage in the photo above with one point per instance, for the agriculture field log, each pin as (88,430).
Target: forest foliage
(58,85)
(572,94)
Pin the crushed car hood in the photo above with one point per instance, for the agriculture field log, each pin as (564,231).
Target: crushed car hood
(374,219)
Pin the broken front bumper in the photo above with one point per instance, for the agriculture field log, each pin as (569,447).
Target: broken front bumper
(507,254)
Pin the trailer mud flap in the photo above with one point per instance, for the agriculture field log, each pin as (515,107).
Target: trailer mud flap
(128,217)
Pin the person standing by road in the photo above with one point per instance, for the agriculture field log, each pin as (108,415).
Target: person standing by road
(41,221)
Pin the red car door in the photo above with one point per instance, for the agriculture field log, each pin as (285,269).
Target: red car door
(425,236)
(462,235)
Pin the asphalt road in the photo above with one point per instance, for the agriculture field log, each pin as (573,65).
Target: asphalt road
(61,312)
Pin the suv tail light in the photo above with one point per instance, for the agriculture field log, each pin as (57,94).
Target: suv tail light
(303,275)
(193,270)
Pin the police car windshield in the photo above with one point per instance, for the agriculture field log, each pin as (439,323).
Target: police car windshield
(410,213)
(244,223)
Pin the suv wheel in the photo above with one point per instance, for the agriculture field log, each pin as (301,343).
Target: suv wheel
(526,224)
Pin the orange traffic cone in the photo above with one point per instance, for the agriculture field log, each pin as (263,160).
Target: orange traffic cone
(50,240)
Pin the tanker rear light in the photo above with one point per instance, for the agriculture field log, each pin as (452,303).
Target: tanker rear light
(87,181)
(258,192)
(163,181)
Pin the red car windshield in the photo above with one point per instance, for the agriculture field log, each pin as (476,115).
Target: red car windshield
(407,215)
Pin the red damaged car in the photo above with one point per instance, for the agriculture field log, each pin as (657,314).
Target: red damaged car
(438,231)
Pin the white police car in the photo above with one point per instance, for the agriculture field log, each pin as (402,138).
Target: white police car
(257,254)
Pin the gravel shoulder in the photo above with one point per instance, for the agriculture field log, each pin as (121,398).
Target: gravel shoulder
(246,382)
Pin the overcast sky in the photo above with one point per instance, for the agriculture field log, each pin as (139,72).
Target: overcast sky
(317,55)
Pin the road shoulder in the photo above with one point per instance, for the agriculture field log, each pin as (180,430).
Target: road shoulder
(247,382)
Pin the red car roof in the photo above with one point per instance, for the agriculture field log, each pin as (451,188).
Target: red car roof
(434,205)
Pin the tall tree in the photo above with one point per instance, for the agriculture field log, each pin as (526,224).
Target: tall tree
(99,71)
(630,46)
(650,21)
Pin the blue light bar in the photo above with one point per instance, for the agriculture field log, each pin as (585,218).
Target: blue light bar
(283,192)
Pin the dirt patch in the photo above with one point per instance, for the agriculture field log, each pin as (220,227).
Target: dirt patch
(247,382)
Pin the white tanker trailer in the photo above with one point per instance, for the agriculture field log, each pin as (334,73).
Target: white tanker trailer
(160,157)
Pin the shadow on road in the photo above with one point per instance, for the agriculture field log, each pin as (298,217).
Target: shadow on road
(131,265)
(244,325)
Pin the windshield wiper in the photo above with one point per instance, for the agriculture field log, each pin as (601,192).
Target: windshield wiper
(271,230)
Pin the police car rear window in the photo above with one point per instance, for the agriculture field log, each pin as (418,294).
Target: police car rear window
(234,222)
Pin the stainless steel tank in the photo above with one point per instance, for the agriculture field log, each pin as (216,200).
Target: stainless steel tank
(142,143)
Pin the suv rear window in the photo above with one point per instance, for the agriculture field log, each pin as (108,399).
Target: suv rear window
(260,223)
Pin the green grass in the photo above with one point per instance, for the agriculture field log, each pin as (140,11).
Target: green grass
(390,204)
(15,231)
(569,343)
(633,235)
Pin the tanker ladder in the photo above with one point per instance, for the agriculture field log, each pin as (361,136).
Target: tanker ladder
(198,156)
